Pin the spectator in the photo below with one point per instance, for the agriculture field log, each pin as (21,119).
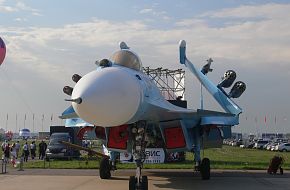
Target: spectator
(13,154)
(7,152)
(17,148)
(3,145)
(25,152)
(42,149)
(33,150)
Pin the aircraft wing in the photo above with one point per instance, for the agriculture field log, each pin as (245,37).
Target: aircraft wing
(226,103)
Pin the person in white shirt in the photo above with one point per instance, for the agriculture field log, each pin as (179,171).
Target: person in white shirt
(25,152)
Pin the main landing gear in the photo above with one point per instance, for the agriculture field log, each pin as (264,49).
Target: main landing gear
(202,166)
(138,182)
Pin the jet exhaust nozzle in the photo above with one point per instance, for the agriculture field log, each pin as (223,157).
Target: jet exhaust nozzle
(68,90)
(228,79)
(76,78)
(237,90)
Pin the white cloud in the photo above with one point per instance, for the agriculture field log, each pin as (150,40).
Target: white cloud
(155,13)
(19,6)
(20,19)
(259,42)
(270,10)
(144,11)
(24,7)
(6,9)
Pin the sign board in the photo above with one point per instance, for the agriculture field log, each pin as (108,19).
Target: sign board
(153,156)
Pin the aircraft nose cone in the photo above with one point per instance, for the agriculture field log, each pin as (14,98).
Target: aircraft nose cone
(110,97)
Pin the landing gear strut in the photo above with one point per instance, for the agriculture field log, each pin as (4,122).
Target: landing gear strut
(203,166)
(138,182)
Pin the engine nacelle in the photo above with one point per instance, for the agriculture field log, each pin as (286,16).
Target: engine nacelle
(237,90)
(228,79)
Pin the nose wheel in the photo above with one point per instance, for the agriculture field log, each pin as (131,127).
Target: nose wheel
(105,168)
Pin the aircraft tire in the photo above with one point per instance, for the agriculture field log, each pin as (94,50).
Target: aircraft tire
(144,182)
(105,168)
(205,169)
(132,183)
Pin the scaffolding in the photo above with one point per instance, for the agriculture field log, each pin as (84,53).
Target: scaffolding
(170,82)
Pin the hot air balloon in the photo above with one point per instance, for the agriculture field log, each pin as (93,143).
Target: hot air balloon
(2,50)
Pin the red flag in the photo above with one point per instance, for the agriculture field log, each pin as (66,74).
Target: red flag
(265,119)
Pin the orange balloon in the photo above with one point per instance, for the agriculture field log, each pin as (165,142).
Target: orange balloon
(2,51)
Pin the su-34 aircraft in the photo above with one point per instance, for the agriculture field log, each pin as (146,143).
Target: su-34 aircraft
(121,102)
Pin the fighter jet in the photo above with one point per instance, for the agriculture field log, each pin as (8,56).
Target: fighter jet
(123,101)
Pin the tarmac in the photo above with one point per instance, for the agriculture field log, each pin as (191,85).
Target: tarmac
(88,179)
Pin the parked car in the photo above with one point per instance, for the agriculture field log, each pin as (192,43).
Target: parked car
(269,146)
(260,143)
(266,145)
(56,149)
(274,146)
(284,147)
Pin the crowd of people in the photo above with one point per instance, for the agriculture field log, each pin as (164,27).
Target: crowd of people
(13,151)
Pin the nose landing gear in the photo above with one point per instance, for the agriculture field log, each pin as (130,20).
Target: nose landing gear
(139,182)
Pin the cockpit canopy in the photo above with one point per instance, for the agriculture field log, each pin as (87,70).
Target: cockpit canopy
(127,58)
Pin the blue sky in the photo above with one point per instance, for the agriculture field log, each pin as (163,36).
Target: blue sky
(48,41)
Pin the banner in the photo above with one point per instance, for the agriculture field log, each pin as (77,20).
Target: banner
(153,156)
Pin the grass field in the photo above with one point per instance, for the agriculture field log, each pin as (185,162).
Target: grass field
(223,158)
